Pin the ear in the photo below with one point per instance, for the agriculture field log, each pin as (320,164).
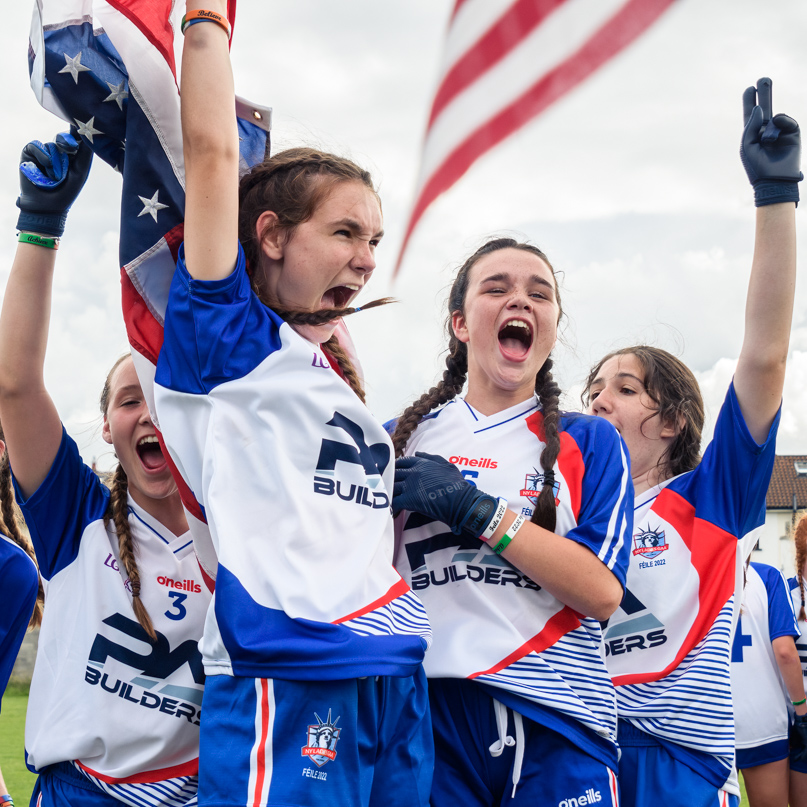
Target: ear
(274,241)
(672,428)
(459,326)
(105,432)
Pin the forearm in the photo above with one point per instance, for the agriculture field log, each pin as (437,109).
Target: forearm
(787,659)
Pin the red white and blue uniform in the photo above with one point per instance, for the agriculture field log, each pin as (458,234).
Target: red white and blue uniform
(293,478)
(19,582)
(760,696)
(494,628)
(109,710)
(669,644)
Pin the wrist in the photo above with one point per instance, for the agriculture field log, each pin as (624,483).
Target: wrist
(38,240)
(775,191)
(6,800)
(483,512)
(49,224)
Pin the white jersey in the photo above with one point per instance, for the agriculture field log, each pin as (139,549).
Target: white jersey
(491,622)
(760,696)
(293,477)
(669,643)
(125,710)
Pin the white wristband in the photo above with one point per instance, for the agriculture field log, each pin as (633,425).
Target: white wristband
(501,509)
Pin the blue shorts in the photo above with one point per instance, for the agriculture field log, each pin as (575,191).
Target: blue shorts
(762,754)
(650,775)
(547,767)
(359,743)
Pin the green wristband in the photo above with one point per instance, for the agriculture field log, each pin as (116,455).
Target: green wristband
(799,703)
(39,240)
(508,536)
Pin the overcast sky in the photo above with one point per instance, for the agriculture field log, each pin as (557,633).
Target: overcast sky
(631,184)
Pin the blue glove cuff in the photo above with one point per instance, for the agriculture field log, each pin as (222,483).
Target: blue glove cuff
(42,223)
(775,191)
(480,516)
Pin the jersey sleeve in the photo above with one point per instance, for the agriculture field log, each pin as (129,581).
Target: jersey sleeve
(215,330)
(731,482)
(19,583)
(58,512)
(781,618)
(605,517)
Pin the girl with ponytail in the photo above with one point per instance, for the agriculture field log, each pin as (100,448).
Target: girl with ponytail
(514,534)
(114,707)
(313,649)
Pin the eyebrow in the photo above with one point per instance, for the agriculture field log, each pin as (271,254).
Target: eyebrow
(499,276)
(619,375)
(354,225)
(128,389)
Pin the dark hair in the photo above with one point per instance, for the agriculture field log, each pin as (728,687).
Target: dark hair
(292,184)
(456,372)
(10,523)
(800,539)
(675,391)
(118,512)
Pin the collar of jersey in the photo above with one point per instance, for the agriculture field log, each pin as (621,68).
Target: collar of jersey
(174,542)
(483,422)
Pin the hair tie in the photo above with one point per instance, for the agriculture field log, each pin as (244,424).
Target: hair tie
(549,479)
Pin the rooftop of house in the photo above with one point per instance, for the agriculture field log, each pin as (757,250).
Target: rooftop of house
(788,488)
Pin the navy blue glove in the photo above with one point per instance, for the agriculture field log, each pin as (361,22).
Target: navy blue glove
(51,177)
(431,485)
(770,148)
(798,739)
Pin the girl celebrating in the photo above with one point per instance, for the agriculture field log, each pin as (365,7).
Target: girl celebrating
(514,586)
(668,646)
(115,698)
(313,646)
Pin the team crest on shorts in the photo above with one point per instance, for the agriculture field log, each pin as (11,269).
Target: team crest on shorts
(649,543)
(322,739)
(533,484)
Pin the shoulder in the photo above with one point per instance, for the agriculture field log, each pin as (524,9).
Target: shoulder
(17,570)
(591,434)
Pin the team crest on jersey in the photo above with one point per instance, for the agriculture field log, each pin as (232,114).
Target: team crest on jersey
(533,484)
(649,543)
(322,739)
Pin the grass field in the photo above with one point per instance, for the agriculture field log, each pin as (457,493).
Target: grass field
(19,780)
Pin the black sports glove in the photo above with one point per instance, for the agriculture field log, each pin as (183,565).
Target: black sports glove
(798,739)
(431,485)
(51,177)
(770,148)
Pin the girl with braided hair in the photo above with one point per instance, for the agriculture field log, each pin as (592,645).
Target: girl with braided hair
(669,644)
(311,633)
(514,534)
(115,700)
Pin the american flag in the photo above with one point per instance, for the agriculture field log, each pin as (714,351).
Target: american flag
(505,62)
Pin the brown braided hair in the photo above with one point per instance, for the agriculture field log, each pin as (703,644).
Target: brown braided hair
(674,389)
(800,539)
(10,525)
(118,513)
(456,372)
(292,184)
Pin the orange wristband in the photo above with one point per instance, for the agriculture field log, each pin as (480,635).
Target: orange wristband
(202,15)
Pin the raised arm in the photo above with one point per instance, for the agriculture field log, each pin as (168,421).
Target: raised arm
(210,146)
(51,177)
(771,150)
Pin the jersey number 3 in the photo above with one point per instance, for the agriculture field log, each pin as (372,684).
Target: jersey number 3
(177,610)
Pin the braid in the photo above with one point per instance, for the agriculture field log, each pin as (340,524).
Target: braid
(118,511)
(548,393)
(10,525)
(801,557)
(340,356)
(449,387)
(324,315)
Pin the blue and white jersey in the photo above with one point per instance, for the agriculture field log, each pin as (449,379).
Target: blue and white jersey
(19,582)
(123,709)
(491,622)
(801,640)
(760,696)
(669,644)
(293,477)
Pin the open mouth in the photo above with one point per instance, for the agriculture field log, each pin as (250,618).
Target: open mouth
(515,338)
(339,296)
(150,453)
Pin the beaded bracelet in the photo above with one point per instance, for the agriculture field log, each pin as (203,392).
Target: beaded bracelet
(508,536)
(37,241)
(202,15)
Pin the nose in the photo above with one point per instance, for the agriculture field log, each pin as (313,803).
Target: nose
(145,415)
(520,300)
(364,257)
(602,404)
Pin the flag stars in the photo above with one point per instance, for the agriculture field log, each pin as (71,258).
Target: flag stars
(117,94)
(87,129)
(74,66)
(151,206)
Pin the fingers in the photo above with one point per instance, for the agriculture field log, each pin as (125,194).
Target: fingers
(66,142)
(785,124)
(765,97)
(749,102)
(434,457)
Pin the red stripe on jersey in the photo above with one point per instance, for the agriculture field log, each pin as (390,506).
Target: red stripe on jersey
(565,621)
(185,493)
(261,755)
(208,580)
(713,555)
(190,768)
(398,590)
(142,328)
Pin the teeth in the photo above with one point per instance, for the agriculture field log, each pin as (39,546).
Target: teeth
(143,441)
(351,287)
(518,323)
